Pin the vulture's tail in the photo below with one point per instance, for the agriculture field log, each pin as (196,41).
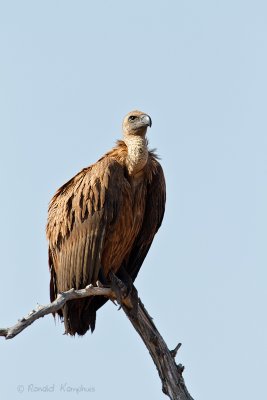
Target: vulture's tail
(80,315)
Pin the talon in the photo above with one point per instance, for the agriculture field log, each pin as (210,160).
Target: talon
(124,276)
(118,288)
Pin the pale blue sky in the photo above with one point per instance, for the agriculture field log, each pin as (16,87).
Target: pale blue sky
(69,72)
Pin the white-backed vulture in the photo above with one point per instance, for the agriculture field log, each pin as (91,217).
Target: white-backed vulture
(104,219)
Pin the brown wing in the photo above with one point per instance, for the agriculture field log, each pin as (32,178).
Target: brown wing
(79,216)
(154,212)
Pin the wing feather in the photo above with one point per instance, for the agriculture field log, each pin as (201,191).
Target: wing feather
(79,217)
(154,212)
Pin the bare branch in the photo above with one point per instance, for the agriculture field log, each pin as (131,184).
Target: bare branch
(169,372)
(51,308)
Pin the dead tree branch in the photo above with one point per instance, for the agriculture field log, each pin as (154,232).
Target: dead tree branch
(51,308)
(169,372)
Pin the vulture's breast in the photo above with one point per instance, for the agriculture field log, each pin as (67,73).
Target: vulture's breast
(121,236)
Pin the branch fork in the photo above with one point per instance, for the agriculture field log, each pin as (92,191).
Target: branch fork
(170,373)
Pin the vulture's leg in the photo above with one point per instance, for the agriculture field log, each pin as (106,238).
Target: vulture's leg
(102,280)
(122,292)
(126,278)
(123,275)
(118,287)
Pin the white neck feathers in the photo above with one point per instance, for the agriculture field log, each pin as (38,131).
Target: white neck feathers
(137,153)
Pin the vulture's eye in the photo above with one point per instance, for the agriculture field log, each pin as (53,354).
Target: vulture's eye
(132,117)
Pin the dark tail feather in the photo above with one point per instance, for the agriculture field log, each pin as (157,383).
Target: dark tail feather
(80,315)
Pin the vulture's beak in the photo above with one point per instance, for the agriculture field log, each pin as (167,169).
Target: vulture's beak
(146,120)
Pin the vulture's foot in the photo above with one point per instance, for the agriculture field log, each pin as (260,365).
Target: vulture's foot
(102,278)
(118,287)
(124,296)
(123,275)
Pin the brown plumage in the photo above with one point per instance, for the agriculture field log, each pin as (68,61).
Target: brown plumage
(104,219)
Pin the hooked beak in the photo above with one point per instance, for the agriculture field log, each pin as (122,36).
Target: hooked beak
(146,120)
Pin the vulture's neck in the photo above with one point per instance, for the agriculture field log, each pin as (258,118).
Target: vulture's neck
(137,153)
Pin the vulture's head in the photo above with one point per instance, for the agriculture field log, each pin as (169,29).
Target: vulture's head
(136,123)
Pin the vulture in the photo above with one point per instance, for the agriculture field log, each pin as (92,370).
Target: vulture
(103,221)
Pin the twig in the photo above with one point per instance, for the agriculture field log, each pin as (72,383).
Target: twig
(175,350)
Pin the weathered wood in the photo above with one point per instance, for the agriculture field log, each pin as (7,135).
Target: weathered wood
(170,373)
(57,304)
